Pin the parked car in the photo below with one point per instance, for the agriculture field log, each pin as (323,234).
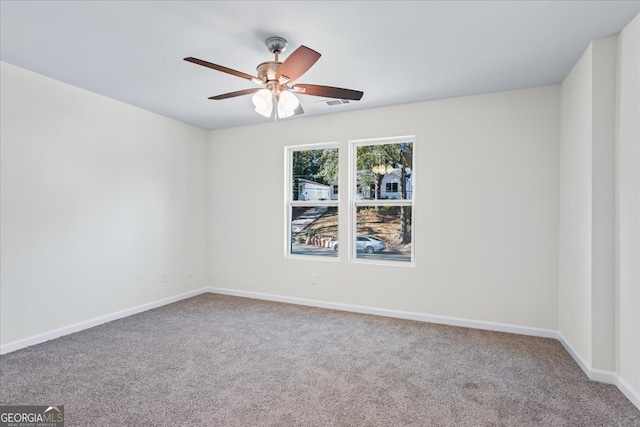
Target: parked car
(366,244)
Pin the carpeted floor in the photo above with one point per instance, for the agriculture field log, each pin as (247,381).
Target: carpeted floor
(216,360)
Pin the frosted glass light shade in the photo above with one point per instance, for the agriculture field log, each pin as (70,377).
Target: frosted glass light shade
(287,104)
(265,111)
(263,101)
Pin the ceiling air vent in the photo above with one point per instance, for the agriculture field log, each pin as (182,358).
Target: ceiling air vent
(333,102)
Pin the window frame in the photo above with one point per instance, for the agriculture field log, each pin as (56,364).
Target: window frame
(289,203)
(355,203)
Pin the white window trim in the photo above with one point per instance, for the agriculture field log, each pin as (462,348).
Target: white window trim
(354,203)
(289,202)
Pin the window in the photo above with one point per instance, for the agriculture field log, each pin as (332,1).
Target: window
(312,200)
(382,200)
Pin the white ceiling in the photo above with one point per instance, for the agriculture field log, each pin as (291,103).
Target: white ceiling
(395,51)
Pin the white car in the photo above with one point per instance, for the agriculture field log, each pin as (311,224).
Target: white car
(366,244)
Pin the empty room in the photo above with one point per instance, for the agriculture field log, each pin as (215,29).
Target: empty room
(320,213)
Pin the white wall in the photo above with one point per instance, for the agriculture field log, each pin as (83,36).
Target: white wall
(486,209)
(628,206)
(98,198)
(599,271)
(603,197)
(586,293)
(574,293)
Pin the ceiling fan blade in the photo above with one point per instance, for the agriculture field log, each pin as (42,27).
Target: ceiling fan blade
(328,92)
(221,68)
(297,63)
(234,94)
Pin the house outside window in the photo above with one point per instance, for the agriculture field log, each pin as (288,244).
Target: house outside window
(312,201)
(334,190)
(382,202)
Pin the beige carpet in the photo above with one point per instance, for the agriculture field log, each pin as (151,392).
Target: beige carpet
(216,360)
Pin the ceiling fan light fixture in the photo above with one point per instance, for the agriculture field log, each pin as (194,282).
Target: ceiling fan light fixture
(263,101)
(283,114)
(287,104)
(264,111)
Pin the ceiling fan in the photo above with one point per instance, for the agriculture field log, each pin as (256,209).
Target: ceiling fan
(277,77)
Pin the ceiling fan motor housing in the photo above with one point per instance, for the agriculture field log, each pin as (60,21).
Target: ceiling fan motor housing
(267,70)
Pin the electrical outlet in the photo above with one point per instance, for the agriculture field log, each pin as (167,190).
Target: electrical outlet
(314,278)
(573,313)
(189,271)
(165,276)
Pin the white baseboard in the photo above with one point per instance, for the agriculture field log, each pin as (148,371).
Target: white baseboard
(593,374)
(59,332)
(443,320)
(627,390)
(601,375)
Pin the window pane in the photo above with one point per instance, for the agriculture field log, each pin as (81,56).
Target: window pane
(314,230)
(314,174)
(384,171)
(384,233)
